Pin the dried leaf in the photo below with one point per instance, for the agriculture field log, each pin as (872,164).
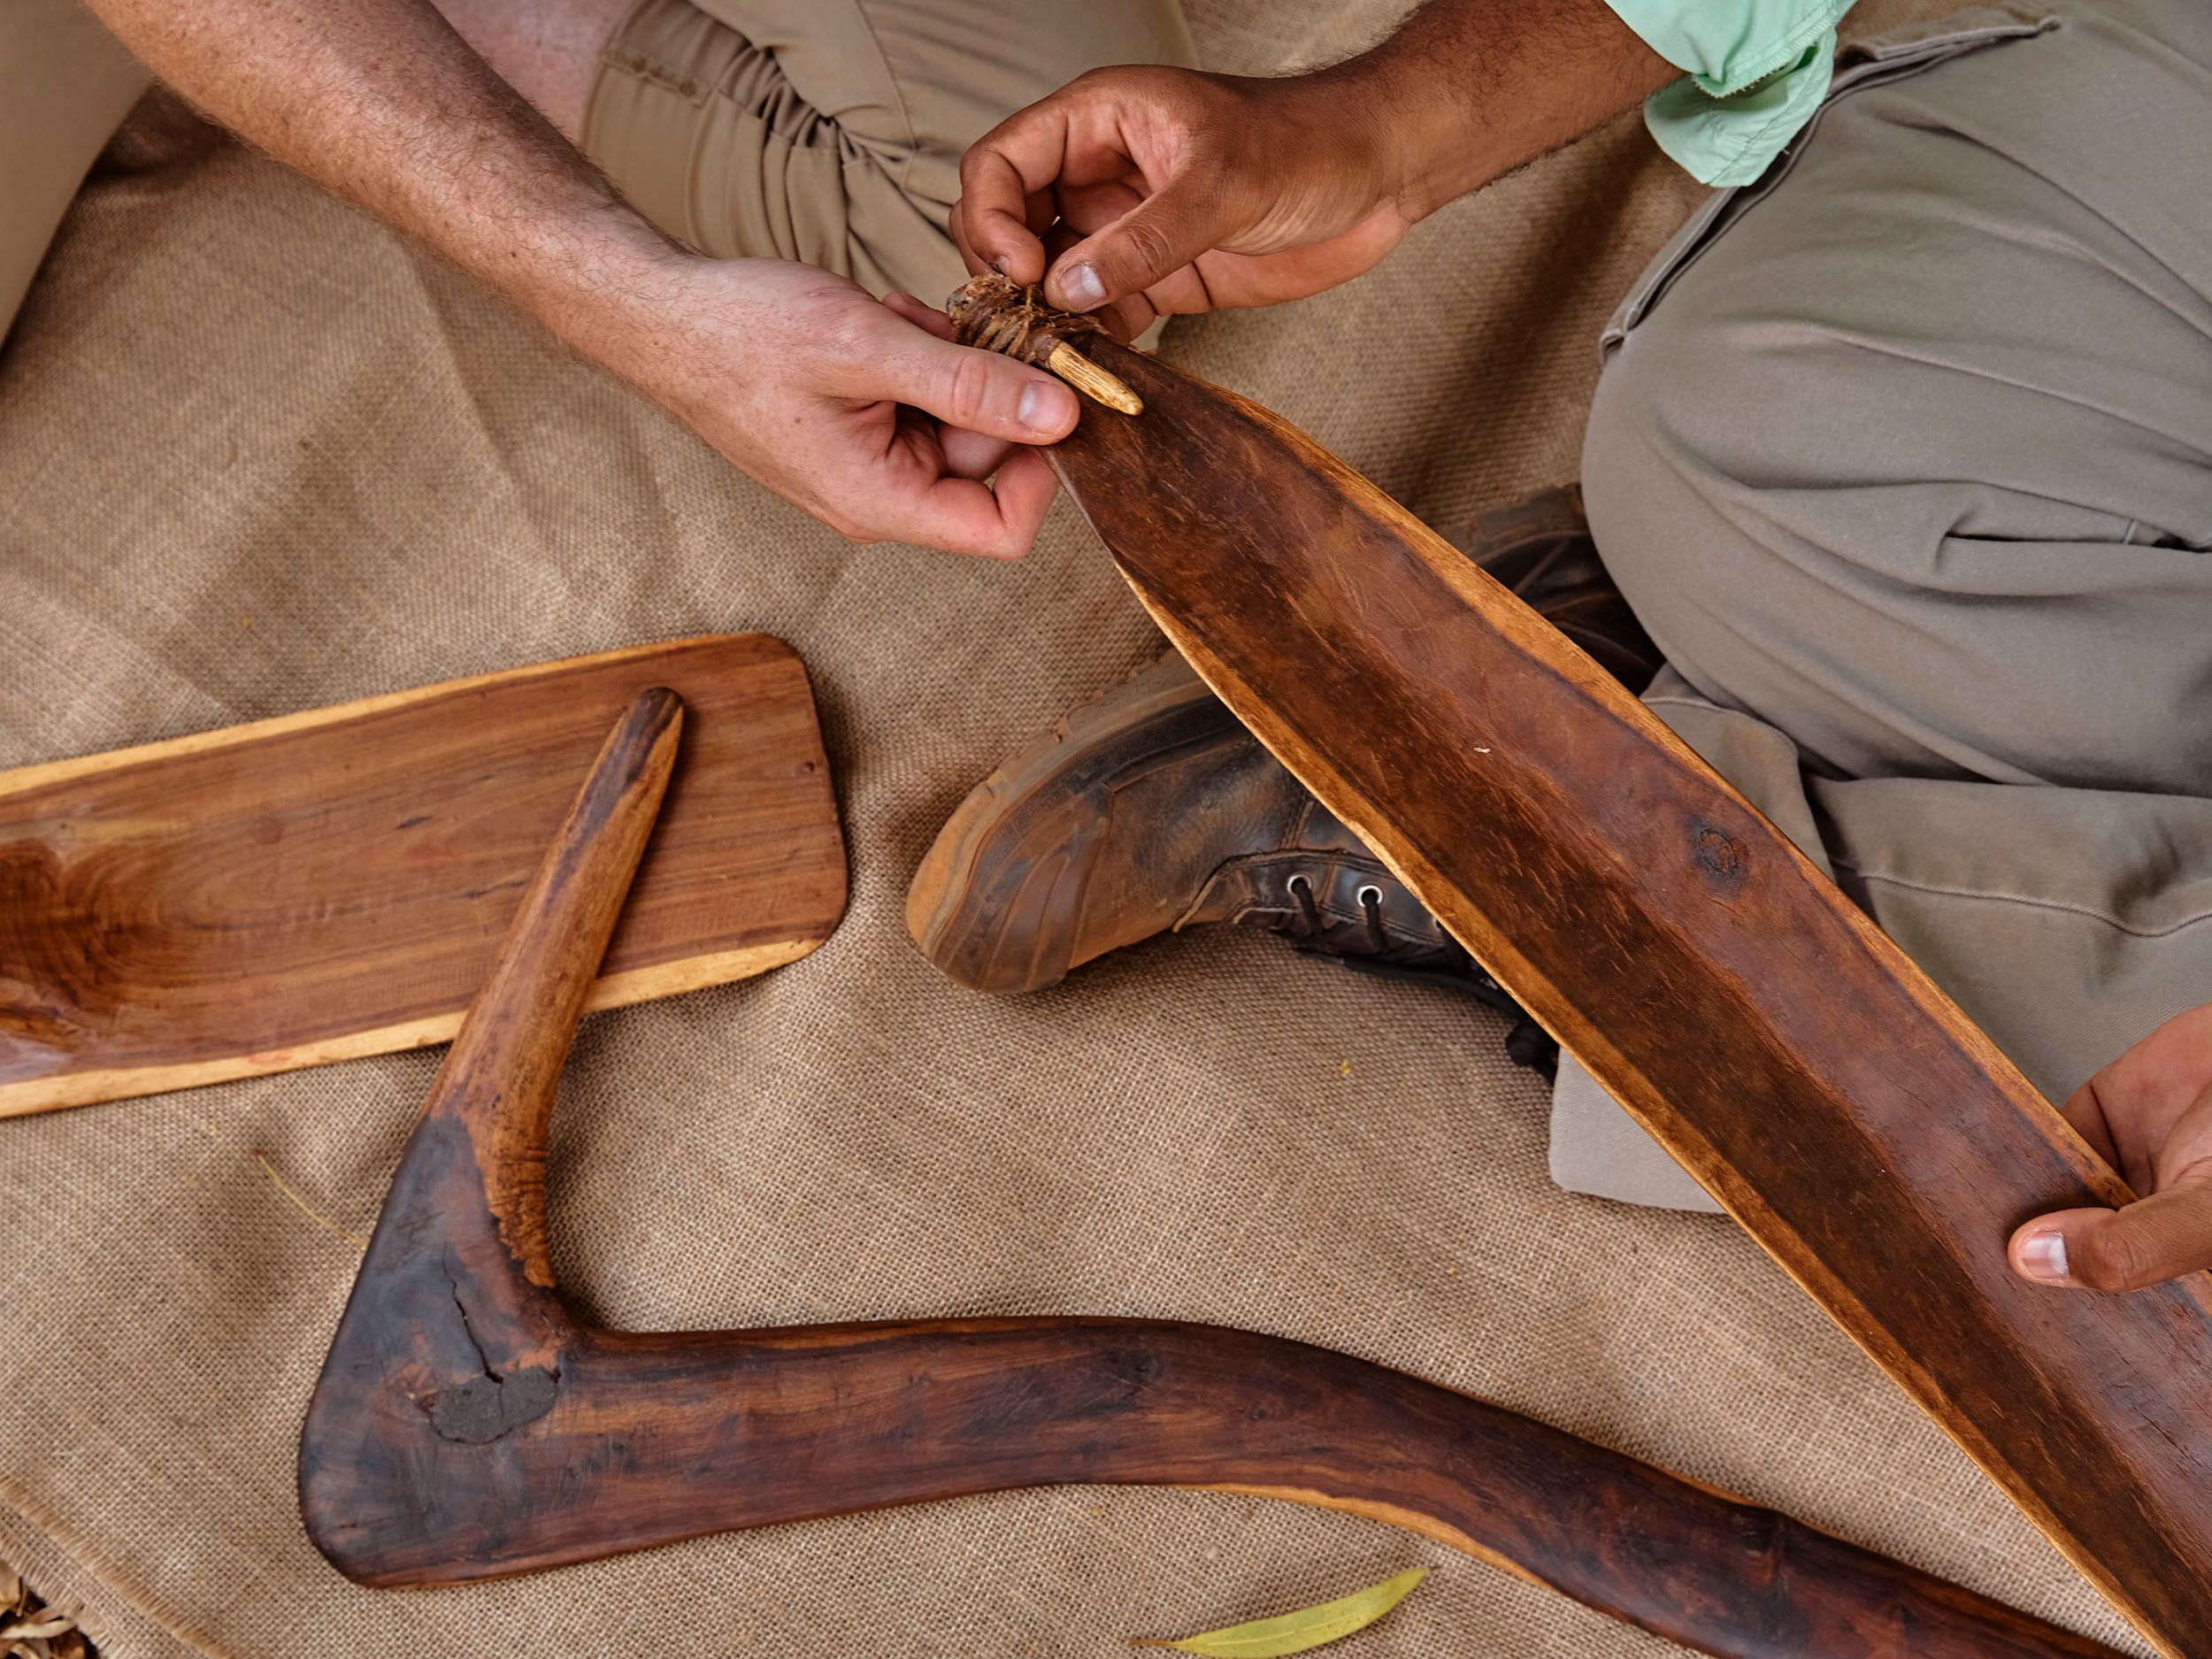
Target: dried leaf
(29,1629)
(39,1625)
(1296,1632)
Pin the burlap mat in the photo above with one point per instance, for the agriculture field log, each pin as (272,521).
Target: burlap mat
(256,456)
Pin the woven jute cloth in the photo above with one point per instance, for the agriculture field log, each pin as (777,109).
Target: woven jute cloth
(256,455)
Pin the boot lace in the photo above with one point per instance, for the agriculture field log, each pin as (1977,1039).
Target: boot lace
(1527,1044)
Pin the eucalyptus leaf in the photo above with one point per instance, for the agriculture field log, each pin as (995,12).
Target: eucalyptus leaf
(1296,1632)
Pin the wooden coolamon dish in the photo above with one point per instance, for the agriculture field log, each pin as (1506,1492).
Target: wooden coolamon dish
(1840,1107)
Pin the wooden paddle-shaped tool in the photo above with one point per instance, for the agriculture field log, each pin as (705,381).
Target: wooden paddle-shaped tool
(334,883)
(1790,1055)
(467,1425)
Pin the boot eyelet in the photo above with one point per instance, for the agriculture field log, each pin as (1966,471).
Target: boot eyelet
(1371,906)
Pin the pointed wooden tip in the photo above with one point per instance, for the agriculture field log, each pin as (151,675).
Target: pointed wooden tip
(1093,382)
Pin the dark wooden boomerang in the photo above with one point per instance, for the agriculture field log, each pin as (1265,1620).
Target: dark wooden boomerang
(1835,1100)
(467,1426)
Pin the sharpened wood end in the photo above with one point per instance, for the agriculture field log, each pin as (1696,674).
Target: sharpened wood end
(1093,382)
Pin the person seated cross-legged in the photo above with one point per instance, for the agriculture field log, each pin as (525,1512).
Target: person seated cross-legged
(1902,456)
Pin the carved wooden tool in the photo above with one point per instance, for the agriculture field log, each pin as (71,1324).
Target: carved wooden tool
(466,1426)
(334,883)
(1780,1046)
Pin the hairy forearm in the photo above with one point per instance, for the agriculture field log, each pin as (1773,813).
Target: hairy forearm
(1471,90)
(381,102)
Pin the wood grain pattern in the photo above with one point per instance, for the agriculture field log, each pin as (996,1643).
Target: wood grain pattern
(1861,1129)
(334,883)
(466,1426)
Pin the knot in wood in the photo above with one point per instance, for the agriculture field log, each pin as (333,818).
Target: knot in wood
(1720,854)
(483,1409)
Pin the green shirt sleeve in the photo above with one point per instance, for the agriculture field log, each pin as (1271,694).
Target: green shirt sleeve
(1756,71)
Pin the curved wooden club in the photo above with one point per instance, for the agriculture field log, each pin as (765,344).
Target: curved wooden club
(467,1426)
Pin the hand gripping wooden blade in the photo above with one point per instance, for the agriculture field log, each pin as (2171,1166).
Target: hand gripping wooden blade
(1840,1107)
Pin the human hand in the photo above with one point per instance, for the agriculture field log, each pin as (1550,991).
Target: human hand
(1177,191)
(864,413)
(2149,1115)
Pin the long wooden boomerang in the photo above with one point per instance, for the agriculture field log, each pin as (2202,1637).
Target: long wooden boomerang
(467,1426)
(1748,1015)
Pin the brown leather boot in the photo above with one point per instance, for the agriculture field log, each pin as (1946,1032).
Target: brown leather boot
(1151,808)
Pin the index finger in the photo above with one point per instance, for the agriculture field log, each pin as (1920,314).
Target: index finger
(999,175)
(2084,1109)
(1040,211)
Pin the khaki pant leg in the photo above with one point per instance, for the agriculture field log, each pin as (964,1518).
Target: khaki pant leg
(1904,457)
(65,85)
(831,131)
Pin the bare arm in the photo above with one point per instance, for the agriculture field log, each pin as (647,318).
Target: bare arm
(1177,191)
(380,101)
(1482,87)
(797,376)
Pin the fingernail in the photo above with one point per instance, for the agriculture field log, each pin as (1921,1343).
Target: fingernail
(2044,1257)
(1046,406)
(1083,288)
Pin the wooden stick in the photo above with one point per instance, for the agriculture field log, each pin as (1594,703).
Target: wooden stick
(1093,382)
(466,1426)
(1782,1049)
(996,313)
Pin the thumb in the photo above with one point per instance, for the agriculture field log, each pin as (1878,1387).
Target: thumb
(2152,1240)
(979,391)
(1152,242)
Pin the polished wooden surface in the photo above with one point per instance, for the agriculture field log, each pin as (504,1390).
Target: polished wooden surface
(467,1426)
(1789,1055)
(335,883)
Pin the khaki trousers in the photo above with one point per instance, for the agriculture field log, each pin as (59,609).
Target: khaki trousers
(829,131)
(1904,457)
(65,85)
